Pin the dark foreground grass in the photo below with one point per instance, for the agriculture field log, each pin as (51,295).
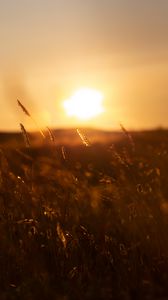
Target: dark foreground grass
(85,222)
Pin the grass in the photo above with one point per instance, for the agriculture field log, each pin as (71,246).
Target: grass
(82,222)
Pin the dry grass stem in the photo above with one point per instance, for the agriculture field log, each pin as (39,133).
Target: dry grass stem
(51,135)
(61,235)
(129,136)
(63,152)
(23,108)
(29,115)
(84,139)
(25,135)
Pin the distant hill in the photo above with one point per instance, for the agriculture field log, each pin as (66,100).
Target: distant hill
(71,137)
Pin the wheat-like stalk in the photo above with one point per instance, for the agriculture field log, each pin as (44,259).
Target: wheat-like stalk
(117,155)
(23,108)
(23,155)
(61,235)
(51,135)
(25,135)
(29,115)
(63,152)
(84,139)
(129,136)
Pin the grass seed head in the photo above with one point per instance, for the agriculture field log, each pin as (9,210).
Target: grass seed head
(23,108)
(84,139)
(25,135)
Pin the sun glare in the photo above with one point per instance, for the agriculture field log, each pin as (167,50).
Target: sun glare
(84,104)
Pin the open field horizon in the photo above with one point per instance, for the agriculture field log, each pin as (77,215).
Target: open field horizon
(71,137)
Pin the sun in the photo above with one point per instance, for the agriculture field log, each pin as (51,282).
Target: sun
(84,104)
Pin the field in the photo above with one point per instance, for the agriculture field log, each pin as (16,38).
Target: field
(84,218)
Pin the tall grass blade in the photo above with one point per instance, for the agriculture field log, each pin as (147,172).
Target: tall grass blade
(29,115)
(25,135)
(84,139)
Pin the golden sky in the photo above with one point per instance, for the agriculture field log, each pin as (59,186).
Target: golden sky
(50,48)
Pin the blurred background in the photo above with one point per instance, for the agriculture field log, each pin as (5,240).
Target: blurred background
(51,48)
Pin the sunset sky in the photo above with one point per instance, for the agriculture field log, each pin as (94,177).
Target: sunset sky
(51,48)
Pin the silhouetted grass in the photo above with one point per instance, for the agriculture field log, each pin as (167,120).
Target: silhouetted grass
(85,222)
